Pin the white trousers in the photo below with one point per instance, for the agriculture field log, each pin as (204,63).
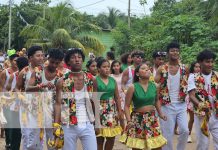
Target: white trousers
(31,139)
(202,140)
(176,113)
(85,132)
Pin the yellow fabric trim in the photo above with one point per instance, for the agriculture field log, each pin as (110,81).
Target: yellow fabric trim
(151,143)
(156,142)
(110,132)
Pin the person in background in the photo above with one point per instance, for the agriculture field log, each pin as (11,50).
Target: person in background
(194,68)
(91,67)
(158,60)
(15,129)
(5,75)
(128,74)
(110,57)
(143,129)
(126,61)
(116,73)
(110,112)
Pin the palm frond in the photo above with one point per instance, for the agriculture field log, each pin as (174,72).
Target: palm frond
(86,27)
(60,38)
(35,32)
(45,45)
(76,44)
(92,42)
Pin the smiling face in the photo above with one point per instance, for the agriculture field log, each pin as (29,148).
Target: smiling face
(173,54)
(197,68)
(37,58)
(207,66)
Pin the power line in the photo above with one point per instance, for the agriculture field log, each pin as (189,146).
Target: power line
(90,4)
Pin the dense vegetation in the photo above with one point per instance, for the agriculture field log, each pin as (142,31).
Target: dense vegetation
(193,23)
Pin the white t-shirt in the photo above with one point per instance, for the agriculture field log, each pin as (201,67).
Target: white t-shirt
(207,87)
(173,84)
(81,112)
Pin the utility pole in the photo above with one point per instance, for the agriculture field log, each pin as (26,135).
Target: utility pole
(129,14)
(44,5)
(9,30)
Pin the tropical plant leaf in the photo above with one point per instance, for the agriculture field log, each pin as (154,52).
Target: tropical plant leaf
(92,42)
(35,32)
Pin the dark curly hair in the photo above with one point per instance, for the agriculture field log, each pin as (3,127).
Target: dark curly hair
(56,54)
(32,50)
(206,54)
(73,51)
(173,45)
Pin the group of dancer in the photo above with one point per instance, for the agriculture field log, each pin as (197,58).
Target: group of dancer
(52,101)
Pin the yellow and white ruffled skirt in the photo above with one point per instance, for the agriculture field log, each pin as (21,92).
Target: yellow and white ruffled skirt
(145,133)
(108,119)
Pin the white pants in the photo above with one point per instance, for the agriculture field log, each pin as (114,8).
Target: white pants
(176,113)
(85,132)
(31,139)
(202,140)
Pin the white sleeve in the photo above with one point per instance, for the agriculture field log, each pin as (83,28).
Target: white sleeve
(191,82)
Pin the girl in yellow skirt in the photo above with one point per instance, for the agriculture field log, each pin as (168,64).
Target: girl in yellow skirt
(110,107)
(143,130)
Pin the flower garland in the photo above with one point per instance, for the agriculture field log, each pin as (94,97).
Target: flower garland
(203,96)
(69,97)
(164,91)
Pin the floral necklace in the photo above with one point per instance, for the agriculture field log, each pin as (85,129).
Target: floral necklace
(69,96)
(164,91)
(205,93)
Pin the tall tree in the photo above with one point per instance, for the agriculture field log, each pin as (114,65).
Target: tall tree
(62,27)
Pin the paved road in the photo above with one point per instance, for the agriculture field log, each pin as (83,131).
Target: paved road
(119,146)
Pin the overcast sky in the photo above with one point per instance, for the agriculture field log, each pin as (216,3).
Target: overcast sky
(93,7)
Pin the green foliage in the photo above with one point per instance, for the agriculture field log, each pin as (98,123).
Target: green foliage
(183,21)
(61,28)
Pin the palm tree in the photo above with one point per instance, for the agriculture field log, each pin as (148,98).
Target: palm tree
(63,27)
(112,16)
(211,8)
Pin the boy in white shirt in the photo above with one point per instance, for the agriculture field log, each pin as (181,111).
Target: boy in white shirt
(203,92)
